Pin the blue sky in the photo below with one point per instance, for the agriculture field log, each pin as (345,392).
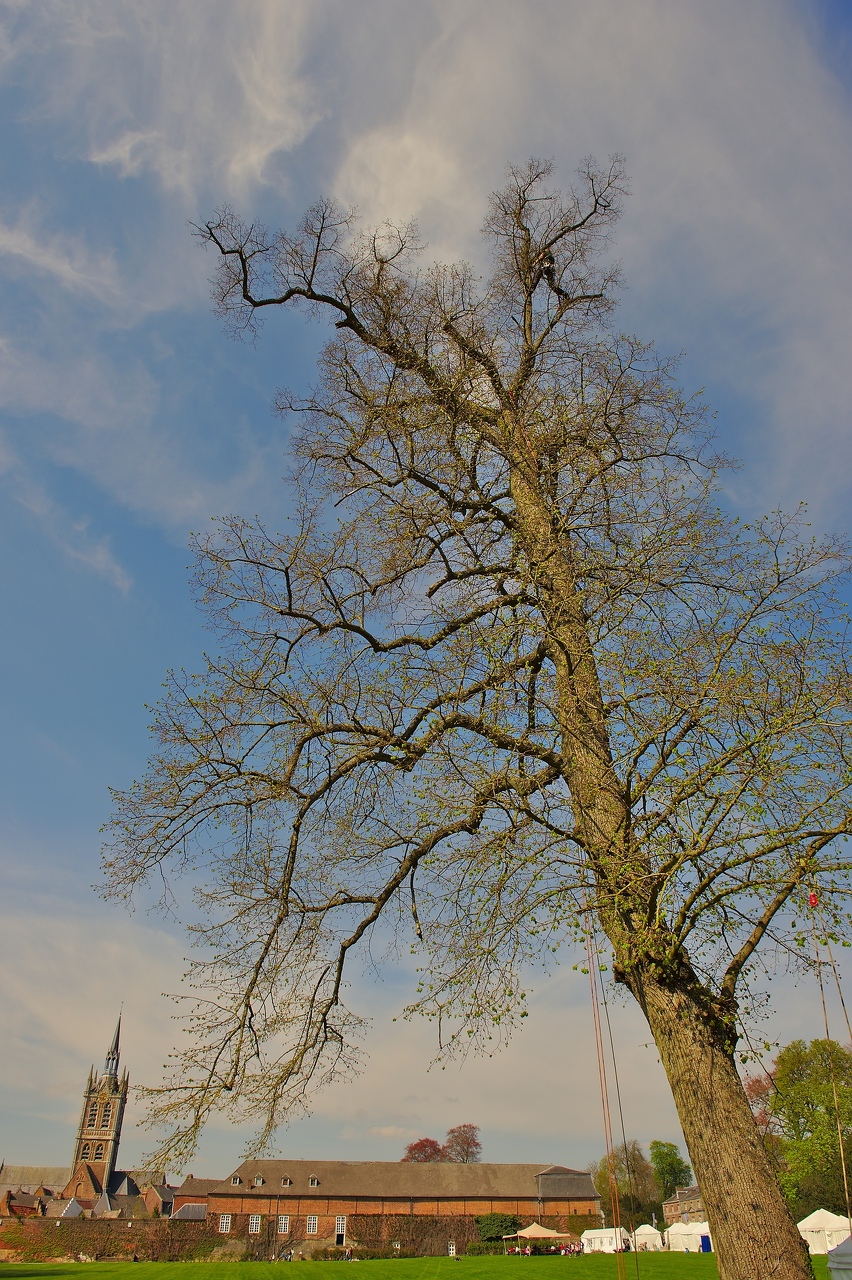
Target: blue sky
(127,419)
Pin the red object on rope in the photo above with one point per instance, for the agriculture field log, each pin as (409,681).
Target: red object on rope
(813,899)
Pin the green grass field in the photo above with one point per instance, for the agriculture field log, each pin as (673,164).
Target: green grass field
(660,1266)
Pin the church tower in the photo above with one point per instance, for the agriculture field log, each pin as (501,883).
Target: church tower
(100,1122)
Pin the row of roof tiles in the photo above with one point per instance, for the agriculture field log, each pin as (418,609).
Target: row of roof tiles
(391,1179)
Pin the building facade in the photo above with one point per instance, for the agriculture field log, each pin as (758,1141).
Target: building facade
(314,1201)
(684,1206)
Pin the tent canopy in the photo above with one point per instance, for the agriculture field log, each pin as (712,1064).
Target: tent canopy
(646,1230)
(823,1220)
(840,1260)
(535,1231)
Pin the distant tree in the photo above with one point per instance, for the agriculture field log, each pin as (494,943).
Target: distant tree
(794,1106)
(638,1189)
(670,1169)
(462,1145)
(424,1151)
(494,1226)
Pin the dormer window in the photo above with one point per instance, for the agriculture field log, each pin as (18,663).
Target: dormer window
(258,1182)
(286,1182)
(236,1180)
(313,1182)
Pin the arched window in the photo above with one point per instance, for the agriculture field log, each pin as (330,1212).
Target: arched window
(99,1151)
(107,1112)
(92,1118)
(86,1152)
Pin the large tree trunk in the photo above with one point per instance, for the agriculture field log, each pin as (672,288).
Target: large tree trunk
(753,1231)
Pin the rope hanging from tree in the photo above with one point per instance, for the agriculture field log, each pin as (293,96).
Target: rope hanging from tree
(598,996)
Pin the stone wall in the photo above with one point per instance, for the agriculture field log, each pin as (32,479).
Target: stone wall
(157,1240)
(160,1240)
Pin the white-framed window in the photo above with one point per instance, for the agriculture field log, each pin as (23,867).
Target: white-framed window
(254,1224)
(286,1182)
(224,1223)
(313,1182)
(313,1225)
(451,1248)
(340,1227)
(258,1181)
(283,1224)
(235,1181)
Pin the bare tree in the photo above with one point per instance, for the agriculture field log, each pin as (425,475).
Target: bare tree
(511,675)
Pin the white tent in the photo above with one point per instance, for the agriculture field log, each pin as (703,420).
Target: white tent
(822,1230)
(535,1231)
(648,1238)
(604,1240)
(840,1261)
(687,1236)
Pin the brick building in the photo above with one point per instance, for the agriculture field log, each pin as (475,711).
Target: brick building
(684,1206)
(194,1191)
(313,1201)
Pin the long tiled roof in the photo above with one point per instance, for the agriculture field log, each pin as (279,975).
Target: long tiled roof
(400,1178)
(29,1177)
(197,1186)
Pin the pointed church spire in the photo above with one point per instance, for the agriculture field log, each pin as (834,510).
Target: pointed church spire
(111,1064)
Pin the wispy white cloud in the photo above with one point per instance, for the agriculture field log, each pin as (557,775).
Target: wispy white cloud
(195,94)
(738,138)
(72,535)
(62,258)
(740,146)
(74,381)
(104,418)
